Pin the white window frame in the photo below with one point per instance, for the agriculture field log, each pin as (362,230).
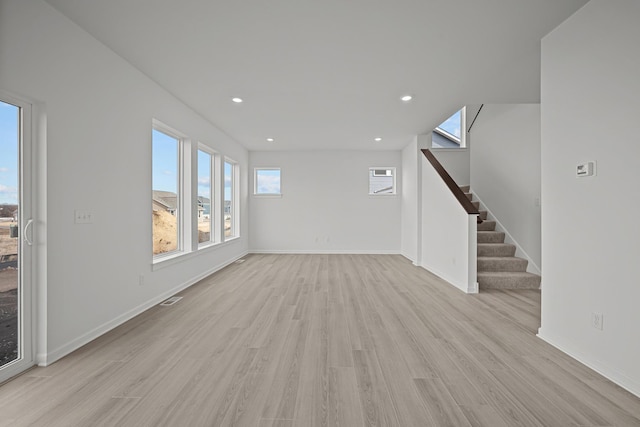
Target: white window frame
(393,170)
(255,182)
(214,217)
(183,191)
(462,141)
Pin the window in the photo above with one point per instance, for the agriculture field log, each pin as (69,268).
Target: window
(205,213)
(266,181)
(195,195)
(451,132)
(382,181)
(230,199)
(166,191)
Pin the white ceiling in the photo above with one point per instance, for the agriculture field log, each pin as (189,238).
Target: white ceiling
(328,74)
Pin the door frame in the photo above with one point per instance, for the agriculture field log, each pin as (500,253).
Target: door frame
(27,233)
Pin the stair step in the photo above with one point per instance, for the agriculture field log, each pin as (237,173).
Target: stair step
(483,214)
(490,237)
(487,226)
(476,204)
(469,196)
(508,280)
(465,188)
(508,263)
(496,249)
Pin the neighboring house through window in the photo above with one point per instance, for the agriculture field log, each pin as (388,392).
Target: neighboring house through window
(206,182)
(231,214)
(166,182)
(382,180)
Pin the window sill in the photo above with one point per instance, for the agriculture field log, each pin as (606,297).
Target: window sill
(178,257)
(167,260)
(268,196)
(449,149)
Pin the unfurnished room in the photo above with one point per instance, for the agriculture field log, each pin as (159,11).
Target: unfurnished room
(319,213)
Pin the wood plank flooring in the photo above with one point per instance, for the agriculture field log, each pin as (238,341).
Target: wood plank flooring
(322,340)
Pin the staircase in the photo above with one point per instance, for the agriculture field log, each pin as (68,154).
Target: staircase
(498,267)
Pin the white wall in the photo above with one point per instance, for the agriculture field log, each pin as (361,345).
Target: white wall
(98,137)
(448,233)
(325,204)
(410,201)
(505,171)
(590,240)
(456,161)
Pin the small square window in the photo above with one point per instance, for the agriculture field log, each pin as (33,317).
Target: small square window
(382,181)
(267,181)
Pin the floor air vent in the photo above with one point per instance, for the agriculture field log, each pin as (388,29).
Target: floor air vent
(171,301)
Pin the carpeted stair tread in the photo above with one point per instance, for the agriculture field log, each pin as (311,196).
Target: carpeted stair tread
(496,249)
(483,214)
(508,280)
(506,263)
(469,196)
(476,204)
(487,226)
(490,237)
(465,188)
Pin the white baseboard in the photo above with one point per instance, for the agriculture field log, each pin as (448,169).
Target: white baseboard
(324,252)
(473,289)
(413,261)
(629,384)
(532,267)
(44,359)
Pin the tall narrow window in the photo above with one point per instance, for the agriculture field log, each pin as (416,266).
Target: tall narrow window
(205,198)
(166,192)
(230,202)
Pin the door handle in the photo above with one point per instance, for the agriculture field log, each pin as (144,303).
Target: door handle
(25,230)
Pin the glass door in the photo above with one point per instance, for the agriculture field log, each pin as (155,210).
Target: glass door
(16,234)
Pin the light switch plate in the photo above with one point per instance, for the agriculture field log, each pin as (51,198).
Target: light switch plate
(83,217)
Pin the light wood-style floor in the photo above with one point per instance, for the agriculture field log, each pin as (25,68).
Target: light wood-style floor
(314,340)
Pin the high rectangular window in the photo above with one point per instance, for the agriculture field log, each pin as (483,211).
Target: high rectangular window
(266,181)
(382,181)
(166,192)
(205,212)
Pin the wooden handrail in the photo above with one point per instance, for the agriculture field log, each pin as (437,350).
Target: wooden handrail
(455,189)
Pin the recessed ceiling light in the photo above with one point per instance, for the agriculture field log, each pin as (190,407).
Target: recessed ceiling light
(377,139)
(270,139)
(237,100)
(406,98)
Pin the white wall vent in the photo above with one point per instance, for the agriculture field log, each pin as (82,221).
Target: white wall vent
(171,301)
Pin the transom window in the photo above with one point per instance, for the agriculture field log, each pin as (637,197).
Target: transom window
(451,132)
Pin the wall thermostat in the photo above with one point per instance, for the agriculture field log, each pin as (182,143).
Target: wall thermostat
(585,169)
